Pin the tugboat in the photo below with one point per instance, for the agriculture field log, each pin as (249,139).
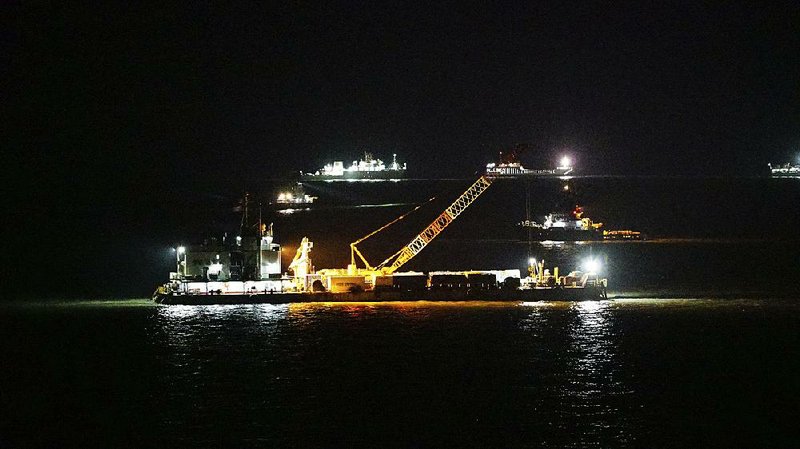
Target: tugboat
(558,226)
(292,198)
(577,285)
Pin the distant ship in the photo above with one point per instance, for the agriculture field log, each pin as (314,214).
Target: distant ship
(787,170)
(509,166)
(293,197)
(559,226)
(574,227)
(367,168)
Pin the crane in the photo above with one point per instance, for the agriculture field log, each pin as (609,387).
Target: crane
(418,243)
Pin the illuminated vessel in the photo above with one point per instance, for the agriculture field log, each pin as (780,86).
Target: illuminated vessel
(623,234)
(787,170)
(574,227)
(510,166)
(293,197)
(341,286)
(367,168)
(515,169)
(248,271)
(558,226)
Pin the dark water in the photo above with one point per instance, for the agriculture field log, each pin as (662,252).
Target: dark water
(717,368)
(628,373)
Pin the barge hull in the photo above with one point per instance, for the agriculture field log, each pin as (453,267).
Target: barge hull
(549,294)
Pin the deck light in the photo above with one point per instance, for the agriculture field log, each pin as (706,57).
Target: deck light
(591,265)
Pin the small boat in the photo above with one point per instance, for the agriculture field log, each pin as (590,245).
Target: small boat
(293,197)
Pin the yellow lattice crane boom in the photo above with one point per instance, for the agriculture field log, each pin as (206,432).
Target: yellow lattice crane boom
(354,248)
(406,253)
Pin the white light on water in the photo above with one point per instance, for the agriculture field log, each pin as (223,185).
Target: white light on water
(589,306)
(566,162)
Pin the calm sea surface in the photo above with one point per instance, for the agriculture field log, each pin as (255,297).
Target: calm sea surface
(699,348)
(625,373)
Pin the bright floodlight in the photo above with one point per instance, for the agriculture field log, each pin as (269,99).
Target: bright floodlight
(181,249)
(591,265)
(565,161)
(532,261)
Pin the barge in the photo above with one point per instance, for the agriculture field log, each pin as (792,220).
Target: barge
(247,270)
(547,294)
(787,170)
(497,285)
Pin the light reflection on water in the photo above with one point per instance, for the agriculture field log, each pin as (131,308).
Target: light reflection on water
(620,373)
(557,370)
(573,364)
(182,313)
(593,372)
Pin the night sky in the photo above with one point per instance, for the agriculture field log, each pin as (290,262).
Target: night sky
(113,104)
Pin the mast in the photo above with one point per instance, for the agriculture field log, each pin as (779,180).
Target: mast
(243,224)
(528,216)
(258,244)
